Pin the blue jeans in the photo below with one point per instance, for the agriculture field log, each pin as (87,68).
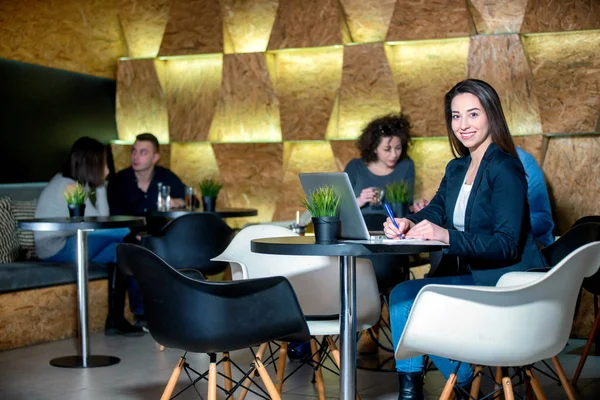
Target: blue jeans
(401,302)
(102,249)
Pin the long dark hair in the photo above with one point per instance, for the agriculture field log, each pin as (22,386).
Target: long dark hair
(490,101)
(386,126)
(85,163)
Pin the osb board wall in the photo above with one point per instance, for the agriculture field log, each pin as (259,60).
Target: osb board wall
(41,315)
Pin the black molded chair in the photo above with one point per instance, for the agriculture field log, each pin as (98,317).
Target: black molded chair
(190,241)
(213,317)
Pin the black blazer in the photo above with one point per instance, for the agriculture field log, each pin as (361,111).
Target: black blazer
(497,238)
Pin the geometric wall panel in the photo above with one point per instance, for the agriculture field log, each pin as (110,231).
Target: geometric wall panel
(558,16)
(194,27)
(533,144)
(572,169)
(368,20)
(430,156)
(306,23)
(122,155)
(248,109)
(300,157)
(247,24)
(431,19)
(497,16)
(501,61)
(192,87)
(368,89)
(566,80)
(193,162)
(424,72)
(143,24)
(344,151)
(141,102)
(73,35)
(306,82)
(251,174)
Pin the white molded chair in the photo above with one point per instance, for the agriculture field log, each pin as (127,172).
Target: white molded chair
(316,281)
(525,318)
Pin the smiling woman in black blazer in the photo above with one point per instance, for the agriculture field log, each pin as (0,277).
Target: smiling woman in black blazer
(480,210)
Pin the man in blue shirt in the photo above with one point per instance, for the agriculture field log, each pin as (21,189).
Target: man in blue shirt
(537,196)
(539,202)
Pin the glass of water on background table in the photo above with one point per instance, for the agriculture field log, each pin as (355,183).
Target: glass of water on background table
(165,198)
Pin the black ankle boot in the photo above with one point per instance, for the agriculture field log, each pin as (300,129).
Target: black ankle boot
(410,386)
(116,324)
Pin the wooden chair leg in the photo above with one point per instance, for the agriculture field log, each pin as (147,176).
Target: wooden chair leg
(535,385)
(563,379)
(283,349)
(264,375)
(227,382)
(212,379)
(508,389)
(476,382)
(498,385)
(247,383)
(318,372)
(173,380)
(449,388)
(586,350)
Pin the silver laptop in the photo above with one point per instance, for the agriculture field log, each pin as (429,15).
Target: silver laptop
(353,225)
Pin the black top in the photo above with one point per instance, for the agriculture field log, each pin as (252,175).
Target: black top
(306,246)
(222,213)
(361,178)
(73,224)
(126,198)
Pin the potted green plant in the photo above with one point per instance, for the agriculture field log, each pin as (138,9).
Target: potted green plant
(75,195)
(210,189)
(398,195)
(323,205)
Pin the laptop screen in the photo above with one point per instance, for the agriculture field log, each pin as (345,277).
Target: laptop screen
(352,224)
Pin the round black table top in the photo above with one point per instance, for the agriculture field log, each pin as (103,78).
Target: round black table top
(306,246)
(221,212)
(76,223)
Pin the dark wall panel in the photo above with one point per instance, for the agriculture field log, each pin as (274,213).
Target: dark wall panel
(44,111)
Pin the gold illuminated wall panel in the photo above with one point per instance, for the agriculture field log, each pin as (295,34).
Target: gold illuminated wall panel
(368,89)
(248,110)
(497,16)
(566,80)
(429,19)
(508,71)
(141,100)
(559,16)
(306,99)
(368,21)
(192,89)
(424,71)
(247,24)
(143,24)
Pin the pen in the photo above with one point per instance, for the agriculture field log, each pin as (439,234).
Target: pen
(391,215)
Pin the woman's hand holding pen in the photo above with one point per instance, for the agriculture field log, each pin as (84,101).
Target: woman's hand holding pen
(390,230)
(429,231)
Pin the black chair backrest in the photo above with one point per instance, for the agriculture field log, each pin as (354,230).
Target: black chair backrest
(580,234)
(212,317)
(589,218)
(190,241)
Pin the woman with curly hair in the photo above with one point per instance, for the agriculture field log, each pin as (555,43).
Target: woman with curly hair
(383,147)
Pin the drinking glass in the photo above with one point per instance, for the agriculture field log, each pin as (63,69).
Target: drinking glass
(377,196)
(165,195)
(189,198)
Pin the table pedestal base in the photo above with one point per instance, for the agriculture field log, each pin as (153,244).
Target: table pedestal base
(77,361)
